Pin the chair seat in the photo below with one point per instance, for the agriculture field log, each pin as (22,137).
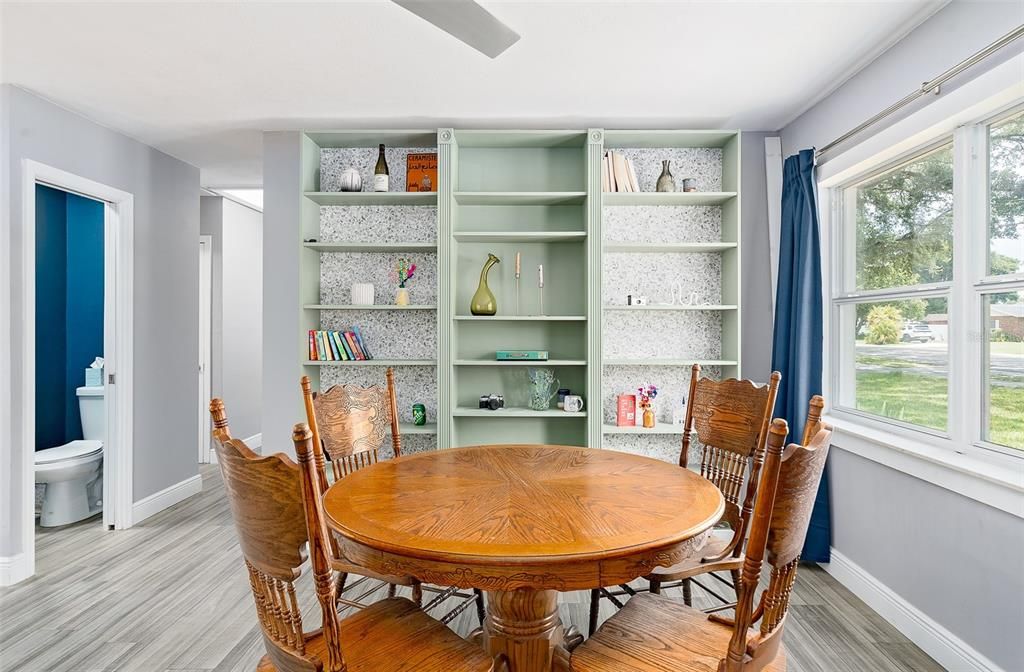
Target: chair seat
(692,567)
(394,635)
(655,634)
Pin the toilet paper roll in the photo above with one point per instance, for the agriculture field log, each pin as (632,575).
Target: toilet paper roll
(362,294)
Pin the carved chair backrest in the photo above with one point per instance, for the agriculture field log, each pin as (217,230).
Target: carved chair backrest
(782,514)
(350,423)
(271,500)
(730,418)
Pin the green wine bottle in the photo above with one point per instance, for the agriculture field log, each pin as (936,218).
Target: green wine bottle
(380,172)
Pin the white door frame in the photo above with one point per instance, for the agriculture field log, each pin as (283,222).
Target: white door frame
(118,348)
(205,346)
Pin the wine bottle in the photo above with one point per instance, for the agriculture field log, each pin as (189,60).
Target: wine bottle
(380,172)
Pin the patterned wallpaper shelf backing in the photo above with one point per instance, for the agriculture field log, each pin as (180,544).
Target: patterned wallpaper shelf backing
(664,278)
(389,334)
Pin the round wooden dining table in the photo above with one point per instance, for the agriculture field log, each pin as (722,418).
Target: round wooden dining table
(522,522)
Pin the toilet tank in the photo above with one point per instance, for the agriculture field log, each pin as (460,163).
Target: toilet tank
(94,413)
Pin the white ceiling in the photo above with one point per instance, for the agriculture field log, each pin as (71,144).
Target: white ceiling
(201,80)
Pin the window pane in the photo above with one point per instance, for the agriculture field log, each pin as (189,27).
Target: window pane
(898,366)
(1005,384)
(1006,196)
(905,224)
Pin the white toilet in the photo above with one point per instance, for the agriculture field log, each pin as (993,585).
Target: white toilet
(73,473)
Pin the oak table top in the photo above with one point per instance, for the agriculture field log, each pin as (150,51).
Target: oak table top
(522,522)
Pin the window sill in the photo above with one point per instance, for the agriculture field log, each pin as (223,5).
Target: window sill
(996,485)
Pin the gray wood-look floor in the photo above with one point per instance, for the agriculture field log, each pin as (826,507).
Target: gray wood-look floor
(171,594)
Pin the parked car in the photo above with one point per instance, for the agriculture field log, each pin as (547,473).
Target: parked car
(916,331)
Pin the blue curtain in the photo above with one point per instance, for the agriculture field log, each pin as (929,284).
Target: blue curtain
(797,343)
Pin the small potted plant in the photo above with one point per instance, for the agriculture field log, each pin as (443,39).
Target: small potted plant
(403,273)
(645,394)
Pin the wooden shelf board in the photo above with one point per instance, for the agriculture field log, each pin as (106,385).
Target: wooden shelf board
(376,362)
(372,138)
(521,318)
(660,428)
(348,306)
(675,198)
(520,362)
(372,247)
(372,197)
(409,428)
(669,362)
(470,412)
(616,139)
(668,247)
(657,308)
(520,197)
(518,236)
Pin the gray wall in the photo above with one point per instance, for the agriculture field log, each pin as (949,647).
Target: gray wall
(236,365)
(282,402)
(166,286)
(957,560)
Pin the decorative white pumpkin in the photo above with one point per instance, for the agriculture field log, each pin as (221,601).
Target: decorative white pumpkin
(350,180)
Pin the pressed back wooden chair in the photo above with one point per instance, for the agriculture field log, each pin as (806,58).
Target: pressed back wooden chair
(653,633)
(730,418)
(349,425)
(276,505)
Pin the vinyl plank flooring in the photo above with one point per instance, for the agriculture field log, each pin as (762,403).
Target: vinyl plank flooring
(171,595)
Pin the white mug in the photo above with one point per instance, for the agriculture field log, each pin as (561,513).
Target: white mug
(573,403)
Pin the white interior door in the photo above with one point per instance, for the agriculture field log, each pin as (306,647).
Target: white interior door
(205,319)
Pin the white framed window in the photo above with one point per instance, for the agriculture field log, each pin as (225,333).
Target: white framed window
(927,290)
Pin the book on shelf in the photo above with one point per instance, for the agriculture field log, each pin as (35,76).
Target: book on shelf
(520,355)
(337,346)
(618,174)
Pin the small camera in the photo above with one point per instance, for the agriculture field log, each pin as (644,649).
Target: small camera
(492,401)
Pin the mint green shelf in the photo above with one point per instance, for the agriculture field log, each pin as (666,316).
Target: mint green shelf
(521,318)
(371,247)
(376,362)
(348,306)
(668,247)
(372,197)
(470,412)
(674,198)
(520,197)
(521,362)
(409,428)
(660,428)
(518,236)
(672,308)
(669,362)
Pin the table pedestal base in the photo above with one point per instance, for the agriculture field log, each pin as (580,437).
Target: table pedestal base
(523,626)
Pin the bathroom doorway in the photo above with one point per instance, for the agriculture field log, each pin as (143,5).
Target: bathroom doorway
(97,301)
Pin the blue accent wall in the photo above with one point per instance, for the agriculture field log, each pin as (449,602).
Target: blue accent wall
(69,308)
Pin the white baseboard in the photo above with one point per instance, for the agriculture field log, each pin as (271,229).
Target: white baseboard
(14,568)
(947,649)
(255,442)
(157,502)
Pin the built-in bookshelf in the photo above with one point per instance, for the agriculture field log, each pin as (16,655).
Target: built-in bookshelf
(538,194)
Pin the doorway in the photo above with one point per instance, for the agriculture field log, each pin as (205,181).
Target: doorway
(117,271)
(206,454)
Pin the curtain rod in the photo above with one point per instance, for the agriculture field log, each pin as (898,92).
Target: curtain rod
(930,87)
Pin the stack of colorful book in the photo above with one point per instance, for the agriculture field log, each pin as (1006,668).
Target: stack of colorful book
(337,346)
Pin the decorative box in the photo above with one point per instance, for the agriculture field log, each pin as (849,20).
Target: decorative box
(625,413)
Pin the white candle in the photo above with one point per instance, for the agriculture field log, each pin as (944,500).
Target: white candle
(540,275)
(517,264)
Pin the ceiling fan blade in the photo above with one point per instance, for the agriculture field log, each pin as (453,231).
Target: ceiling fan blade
(466,21)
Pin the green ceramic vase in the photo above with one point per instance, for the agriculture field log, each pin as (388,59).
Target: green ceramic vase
(483,302)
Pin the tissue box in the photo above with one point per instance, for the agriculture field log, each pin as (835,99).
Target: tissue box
(93,377)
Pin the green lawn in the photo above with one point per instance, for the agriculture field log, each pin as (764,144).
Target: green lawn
(922,400)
